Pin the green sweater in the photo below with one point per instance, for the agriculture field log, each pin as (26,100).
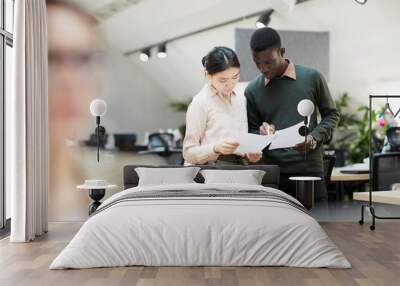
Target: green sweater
(276,103)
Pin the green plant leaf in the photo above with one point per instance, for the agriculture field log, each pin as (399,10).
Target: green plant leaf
(180,106)
(357,147)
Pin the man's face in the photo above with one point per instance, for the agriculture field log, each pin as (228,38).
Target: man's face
(269,61)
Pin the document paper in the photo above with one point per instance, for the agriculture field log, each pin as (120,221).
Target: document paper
(252,143)
(287,138)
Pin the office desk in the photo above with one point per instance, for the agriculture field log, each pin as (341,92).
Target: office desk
(384,197)
(341,178)
(337,176)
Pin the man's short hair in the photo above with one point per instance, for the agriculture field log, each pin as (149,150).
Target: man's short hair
(265,38)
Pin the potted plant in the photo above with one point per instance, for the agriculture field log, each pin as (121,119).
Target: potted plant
(351,138)
(181,106)
(346,132)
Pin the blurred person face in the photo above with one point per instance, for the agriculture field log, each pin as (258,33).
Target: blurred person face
(71,48)
(224,82)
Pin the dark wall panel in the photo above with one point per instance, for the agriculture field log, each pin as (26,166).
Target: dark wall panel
(304,48)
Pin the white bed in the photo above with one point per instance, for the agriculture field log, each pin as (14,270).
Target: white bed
(225,225)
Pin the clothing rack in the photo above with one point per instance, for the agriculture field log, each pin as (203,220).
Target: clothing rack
(370,206)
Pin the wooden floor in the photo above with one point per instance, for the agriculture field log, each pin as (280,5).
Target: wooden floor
(375,257)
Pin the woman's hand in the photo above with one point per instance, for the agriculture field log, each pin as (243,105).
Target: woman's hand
(226,146)
(253,157)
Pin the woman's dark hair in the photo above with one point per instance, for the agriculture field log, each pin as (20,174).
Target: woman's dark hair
(220,59)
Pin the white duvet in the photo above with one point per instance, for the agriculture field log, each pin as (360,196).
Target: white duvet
(185,231)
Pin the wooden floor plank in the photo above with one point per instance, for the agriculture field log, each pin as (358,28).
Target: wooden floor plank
(374,255)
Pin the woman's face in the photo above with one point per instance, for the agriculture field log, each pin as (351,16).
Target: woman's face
(72,46)
(224,82)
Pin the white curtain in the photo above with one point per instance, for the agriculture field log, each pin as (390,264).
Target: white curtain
(27,123)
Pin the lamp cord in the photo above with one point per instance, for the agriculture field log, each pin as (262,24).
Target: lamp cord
(98,139)
(305,137)
(305,145)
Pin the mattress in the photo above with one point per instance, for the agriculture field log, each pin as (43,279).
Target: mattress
(200,225)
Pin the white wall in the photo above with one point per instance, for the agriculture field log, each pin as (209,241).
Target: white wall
(135,102)
(181,74)
(364,51)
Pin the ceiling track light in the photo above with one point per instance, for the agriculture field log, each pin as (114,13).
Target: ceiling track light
(145,55)
(211,27)
(362,2)
(162,51)
(264,19)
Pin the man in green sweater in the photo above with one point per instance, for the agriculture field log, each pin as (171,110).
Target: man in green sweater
(272,100)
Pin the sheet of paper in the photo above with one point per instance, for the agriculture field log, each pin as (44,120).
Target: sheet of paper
(356,167)
(287,138)
(252,143)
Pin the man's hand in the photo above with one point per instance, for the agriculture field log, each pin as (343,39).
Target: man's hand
(253,157)
(267,129)
(226,146)
(305,146)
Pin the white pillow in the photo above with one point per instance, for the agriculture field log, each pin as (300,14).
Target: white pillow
(248,177)
(163,176)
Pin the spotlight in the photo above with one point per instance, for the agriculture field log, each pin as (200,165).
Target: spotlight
(264,19)
(162,51)
(144,55)
(362,2)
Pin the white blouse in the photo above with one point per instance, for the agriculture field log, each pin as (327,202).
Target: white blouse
(210,118)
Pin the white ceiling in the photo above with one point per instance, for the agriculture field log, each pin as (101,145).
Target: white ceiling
(93,5)
(132,24)
(128,25)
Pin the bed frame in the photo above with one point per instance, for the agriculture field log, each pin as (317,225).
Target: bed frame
(270,179)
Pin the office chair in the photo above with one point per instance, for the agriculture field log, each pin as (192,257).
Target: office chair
(385,171)
(161,143)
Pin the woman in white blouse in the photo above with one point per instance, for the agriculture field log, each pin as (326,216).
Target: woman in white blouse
(217,114)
